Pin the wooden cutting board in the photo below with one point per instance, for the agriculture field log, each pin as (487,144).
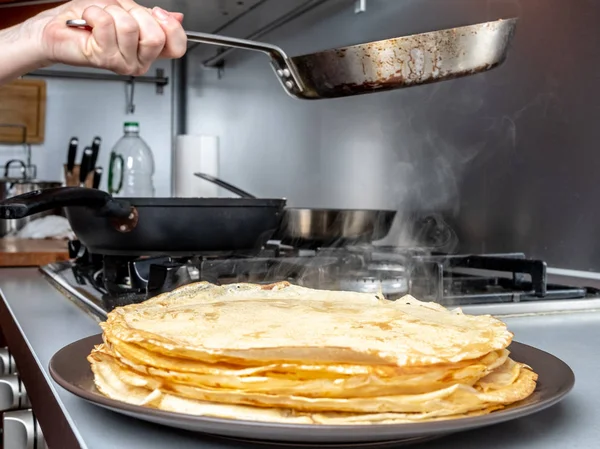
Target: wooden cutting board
(31,253)
(23,110)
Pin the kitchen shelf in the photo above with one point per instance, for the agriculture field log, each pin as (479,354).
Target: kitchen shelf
(159,80)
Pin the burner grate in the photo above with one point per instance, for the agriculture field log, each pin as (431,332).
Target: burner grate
(448,279)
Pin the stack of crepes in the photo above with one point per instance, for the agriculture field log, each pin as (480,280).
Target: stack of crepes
(288,354)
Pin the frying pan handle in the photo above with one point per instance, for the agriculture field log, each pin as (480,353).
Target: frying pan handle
(42,200)
(283,66)
(225,185)
(213,39)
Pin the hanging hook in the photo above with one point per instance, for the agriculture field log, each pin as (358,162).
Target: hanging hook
(360,6)
(129,94)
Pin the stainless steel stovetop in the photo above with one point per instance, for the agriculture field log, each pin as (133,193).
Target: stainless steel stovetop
(481,283)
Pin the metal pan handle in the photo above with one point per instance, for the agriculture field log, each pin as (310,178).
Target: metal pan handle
(42,200)
(282,65)
(225,185)
(15,161)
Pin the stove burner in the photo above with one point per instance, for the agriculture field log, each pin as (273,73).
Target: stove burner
(394,286)
(387,267)
(443,278)
(169,276)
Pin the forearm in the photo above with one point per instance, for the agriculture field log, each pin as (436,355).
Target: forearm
(19,52)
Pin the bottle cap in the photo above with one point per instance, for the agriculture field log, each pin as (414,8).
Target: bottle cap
(131,126)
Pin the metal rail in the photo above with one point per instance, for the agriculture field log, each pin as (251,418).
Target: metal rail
(159,80)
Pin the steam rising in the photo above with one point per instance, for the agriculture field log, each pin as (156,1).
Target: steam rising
(415,151)
(417,162)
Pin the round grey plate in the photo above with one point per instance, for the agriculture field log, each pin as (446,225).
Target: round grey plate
(70,369)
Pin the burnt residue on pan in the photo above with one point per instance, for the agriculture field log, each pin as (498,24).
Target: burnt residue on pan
(402,62)
(390,83)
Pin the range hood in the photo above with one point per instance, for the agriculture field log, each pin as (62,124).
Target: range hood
(234,17)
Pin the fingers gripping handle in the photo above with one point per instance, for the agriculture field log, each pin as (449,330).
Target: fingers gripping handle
(282,65)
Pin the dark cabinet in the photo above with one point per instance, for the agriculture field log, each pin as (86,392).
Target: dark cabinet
(21,11)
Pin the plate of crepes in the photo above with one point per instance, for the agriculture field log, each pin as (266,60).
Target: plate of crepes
(284,363)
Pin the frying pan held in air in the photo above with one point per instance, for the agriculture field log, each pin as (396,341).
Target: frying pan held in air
(155,226)
(314,228)
(379,66)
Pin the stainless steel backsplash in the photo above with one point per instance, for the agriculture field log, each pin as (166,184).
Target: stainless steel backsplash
(509,158)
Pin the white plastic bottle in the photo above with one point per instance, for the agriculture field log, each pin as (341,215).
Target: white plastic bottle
(131,165)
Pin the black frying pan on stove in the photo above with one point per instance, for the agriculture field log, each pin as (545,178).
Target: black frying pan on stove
(155,226)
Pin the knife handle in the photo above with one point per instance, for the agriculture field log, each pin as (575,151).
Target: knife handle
(86,165)
(95,150)
(72,153)
(97,177)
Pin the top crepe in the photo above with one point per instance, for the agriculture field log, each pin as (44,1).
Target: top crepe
(248,324)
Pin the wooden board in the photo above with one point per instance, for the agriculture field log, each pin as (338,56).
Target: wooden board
(23,103)
(31,253)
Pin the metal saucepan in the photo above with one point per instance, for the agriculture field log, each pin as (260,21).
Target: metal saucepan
(155,226)
(382,65)
(314,228)
(13,186)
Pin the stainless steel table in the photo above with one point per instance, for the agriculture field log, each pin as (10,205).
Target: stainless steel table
(38,320)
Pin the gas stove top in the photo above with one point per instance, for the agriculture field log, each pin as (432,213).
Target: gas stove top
(102,283)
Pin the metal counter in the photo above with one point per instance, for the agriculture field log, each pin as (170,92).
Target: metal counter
(38,320)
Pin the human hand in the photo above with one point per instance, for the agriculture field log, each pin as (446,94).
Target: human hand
(123,37)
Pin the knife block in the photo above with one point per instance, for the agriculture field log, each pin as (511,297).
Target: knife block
(72,179)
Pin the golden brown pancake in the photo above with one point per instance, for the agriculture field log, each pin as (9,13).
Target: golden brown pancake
(367,385)
(125,385)
(227,324)
(283,353)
